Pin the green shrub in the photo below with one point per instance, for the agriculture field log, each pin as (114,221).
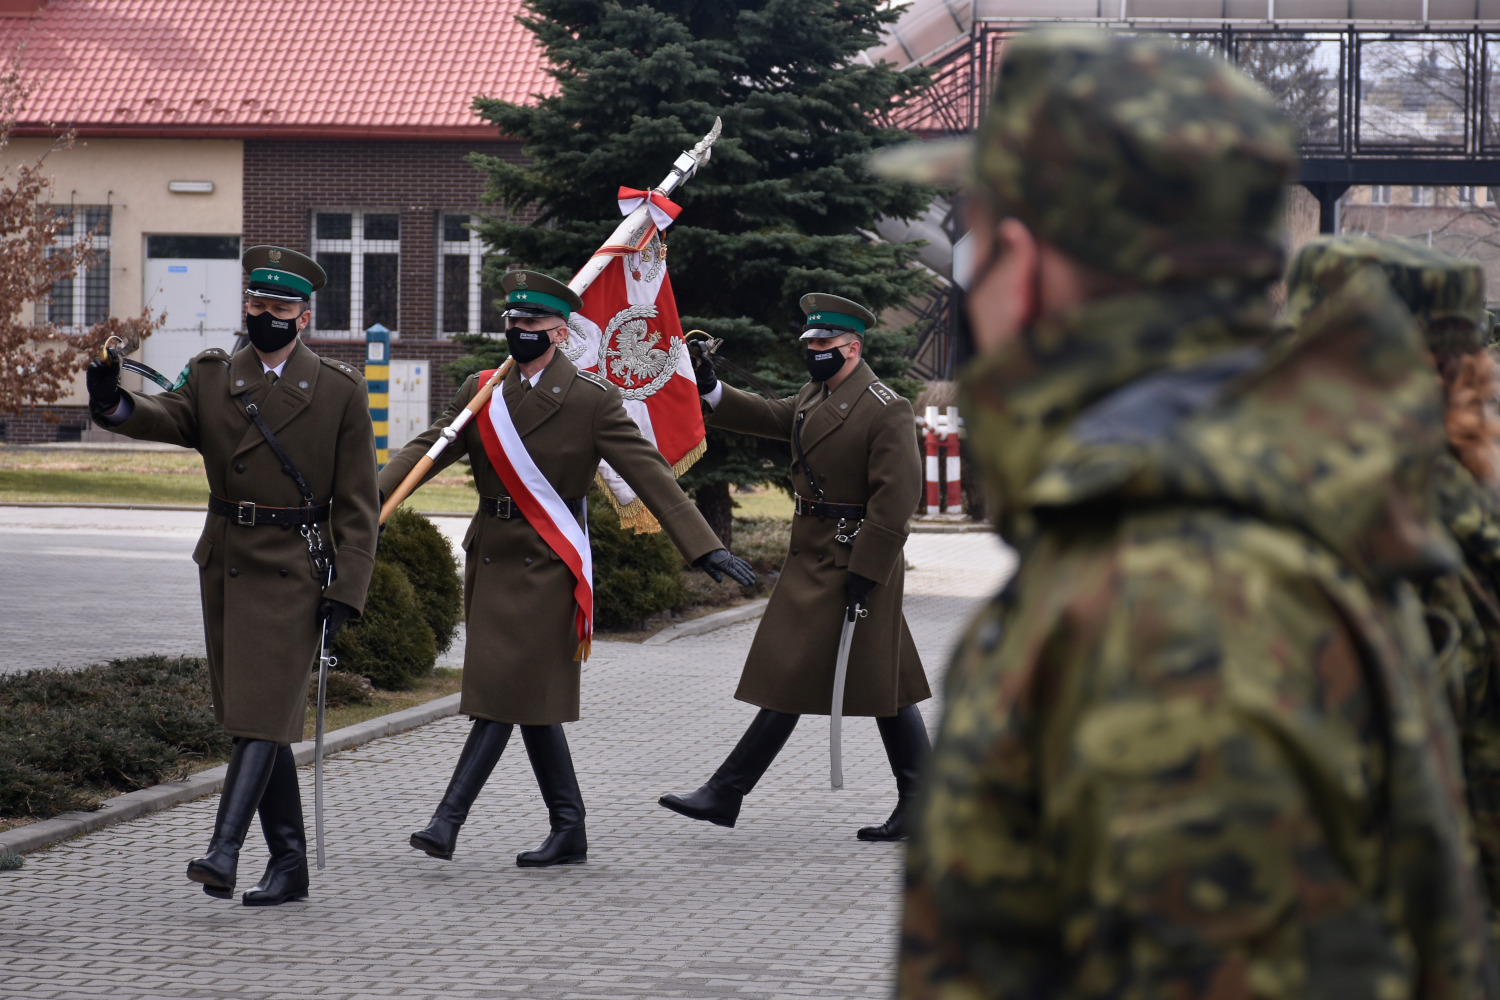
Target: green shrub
(344,688)
(635,576)
(10,862)
(762,542)
(420,549)
(391,643)
(69,737)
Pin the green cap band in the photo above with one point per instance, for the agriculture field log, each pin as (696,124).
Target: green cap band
(525,296)
(293,282)
(837,319)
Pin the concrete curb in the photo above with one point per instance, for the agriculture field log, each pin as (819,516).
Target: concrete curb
(698,626)
(158,797)
(963,527)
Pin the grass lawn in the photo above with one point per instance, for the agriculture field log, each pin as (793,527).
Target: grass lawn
(116,475)
(763,501)
(165,478)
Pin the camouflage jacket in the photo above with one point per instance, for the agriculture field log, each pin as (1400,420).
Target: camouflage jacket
(1464,616)
(1198,747)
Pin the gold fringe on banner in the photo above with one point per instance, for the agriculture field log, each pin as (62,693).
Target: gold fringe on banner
(634,515)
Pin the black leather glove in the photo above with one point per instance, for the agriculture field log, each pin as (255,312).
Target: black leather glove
(858,588)
(336,613)
(703,371)
(103,378)
(721,563)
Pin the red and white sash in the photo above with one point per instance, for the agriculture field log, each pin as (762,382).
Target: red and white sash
(539,502)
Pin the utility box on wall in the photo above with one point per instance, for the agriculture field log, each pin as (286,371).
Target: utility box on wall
(407,411)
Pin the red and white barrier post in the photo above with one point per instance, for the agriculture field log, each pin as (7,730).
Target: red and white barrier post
(949,436)
(930,442)
(940,441)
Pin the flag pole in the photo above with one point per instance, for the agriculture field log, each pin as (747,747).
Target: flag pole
(634,230)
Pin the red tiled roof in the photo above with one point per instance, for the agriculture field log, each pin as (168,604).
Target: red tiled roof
(274,68)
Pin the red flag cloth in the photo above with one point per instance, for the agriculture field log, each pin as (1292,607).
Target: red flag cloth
(629,333)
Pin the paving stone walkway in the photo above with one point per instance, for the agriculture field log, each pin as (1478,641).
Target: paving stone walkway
(788,904)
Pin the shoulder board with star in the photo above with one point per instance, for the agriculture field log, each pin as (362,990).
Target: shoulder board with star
(597,379)
(348,371)
(884,393)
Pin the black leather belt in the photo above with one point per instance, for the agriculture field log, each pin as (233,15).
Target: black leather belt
(251,514)
(505,508)
(827,511)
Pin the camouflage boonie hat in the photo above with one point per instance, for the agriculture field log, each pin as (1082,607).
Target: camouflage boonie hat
(1131,155)
(1445,293)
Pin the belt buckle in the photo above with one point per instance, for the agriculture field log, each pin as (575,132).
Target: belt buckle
(506,508)
(244,505)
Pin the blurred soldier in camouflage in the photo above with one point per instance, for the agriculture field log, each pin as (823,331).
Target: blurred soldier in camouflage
(1446,297)
(1192,750)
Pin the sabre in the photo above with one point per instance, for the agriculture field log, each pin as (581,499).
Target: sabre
(139,367)
(852,614)
(635,230)
(326,662)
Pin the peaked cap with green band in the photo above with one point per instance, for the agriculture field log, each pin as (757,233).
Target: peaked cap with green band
(279,273)
(834,313)
(1445,293)
(533,293)
(1129,154)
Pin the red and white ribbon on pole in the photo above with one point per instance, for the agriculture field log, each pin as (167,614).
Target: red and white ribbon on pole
(543,508)
(664,211)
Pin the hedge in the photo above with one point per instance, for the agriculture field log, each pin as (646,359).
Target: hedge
(70,737)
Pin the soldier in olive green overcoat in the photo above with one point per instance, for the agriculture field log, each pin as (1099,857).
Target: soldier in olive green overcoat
(858,478)
(520,661)
(264,600)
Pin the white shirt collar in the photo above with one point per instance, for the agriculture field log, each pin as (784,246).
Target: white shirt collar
(267,368)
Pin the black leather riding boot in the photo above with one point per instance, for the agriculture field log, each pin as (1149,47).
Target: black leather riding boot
(481,752)
(285,880)
(906,747)
(552,764)
(244,782)
(719,800)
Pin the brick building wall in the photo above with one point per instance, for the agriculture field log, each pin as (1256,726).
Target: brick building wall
(286,182)
(45,425)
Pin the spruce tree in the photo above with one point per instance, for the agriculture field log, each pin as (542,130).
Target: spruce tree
(783,208)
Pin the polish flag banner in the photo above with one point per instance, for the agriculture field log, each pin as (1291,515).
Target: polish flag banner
(628,332)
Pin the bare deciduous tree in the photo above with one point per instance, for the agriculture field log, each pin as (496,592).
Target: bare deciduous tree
(38,359)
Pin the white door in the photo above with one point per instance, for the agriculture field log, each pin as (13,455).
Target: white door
(201,297)
(408,406)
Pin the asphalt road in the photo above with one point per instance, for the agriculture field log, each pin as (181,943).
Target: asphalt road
(82,585)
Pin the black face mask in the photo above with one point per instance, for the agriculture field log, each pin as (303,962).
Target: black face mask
(825,364)
(268,333)
(527,345)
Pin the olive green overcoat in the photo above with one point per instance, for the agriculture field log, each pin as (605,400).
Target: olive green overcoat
(260,597)
(518,595)
(861,442)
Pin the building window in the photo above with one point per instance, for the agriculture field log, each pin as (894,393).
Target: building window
(1380,194)
(1469,195)
(361,253)
(1424,196)
(83,299)
(465,305)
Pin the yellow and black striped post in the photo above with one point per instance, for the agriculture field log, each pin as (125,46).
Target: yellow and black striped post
(378,382)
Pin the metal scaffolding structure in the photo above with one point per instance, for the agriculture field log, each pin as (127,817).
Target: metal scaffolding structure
(1400,92)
